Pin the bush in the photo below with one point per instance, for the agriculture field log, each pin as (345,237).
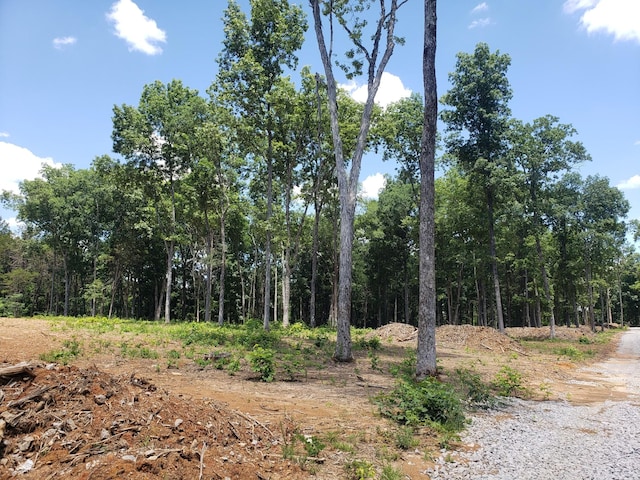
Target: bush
(262,362)
(508,381)
(471,387)
(423,403)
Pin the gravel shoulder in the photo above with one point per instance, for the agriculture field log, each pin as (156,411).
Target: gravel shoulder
(529,440)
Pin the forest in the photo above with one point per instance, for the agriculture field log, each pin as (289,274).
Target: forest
(224,205)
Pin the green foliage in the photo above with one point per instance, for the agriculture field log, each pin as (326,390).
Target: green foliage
(137,351)
(360,470)
(262,362)
(405,439)
(508,381)
(69,351)
(391,473)
(292,366)
(470,385)
(427,402)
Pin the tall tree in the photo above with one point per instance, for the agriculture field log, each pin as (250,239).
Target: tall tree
(543,150)
(477,127)
(373,60)
(426,353)
(159,139)
(252,61)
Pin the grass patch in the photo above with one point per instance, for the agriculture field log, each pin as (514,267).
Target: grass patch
(69,351)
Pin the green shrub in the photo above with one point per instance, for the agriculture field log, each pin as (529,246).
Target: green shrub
(70,350)
(262,362)
(423,403)
(471,387)
(360,470)
(508,381)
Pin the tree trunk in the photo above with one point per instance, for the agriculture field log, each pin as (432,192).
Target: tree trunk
(286,288)
(223,269)
(547,290)
(494,260)
(267,247)
(426,352)
(170,246)
(314,267)
(67,284)
(208,280)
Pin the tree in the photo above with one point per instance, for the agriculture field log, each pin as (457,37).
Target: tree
(251,65)
(159,139)
(477,127)
(373,60)
(426,353)
(543,150)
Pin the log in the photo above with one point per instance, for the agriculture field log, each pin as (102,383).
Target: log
(18,369)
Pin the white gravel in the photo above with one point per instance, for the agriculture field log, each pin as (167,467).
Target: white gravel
(526,440)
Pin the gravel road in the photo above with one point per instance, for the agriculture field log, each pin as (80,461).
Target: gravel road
(526,440)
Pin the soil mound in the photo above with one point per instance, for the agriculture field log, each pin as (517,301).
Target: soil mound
(67,422)
(470,336)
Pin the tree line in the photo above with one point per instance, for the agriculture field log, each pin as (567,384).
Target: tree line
(243,202)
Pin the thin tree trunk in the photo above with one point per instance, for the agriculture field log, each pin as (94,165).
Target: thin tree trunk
(494,261)
(267,247)
(209,278)
(169,278)
(547,290)
(223,266)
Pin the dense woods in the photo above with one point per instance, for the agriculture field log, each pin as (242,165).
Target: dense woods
(225,205)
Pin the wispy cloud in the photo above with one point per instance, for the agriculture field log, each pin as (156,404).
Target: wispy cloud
(620,18)
(481,7)
(18,164)
(630,184)
(391,90)
(139,31)
(480,23)
(61,42)
(637,142)
(4,135)
(372,186)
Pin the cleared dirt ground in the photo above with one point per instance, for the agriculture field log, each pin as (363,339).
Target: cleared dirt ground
(104,416)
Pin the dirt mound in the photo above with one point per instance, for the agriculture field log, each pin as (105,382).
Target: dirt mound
(67,422)
(395,332)
(469,336)
(564,333)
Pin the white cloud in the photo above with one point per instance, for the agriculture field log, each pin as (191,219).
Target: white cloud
(620,18)
(630,184)
(481,7)
(372,186)
(391,90)
(4,135)
(19,163)
(139,31)
(61,42)
(480,23)
(637,142)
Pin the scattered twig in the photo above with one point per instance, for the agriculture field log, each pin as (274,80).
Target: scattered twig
(204,447)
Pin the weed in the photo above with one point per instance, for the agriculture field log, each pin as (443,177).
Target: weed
(70,350)
(423,403)
(312,445)
(375,361)
(404,438)
(471,387)
(292,367)
(173,354)
(391,473)
(263,363)
(508,381)
(570,351)
(360,470)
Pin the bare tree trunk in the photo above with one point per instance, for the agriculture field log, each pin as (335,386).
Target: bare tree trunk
(494,261)
(426,352)
(170,245)
(547,290)
(267,247)
(223,270)
(209,280)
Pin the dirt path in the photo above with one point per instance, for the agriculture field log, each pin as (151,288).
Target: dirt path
(596,437)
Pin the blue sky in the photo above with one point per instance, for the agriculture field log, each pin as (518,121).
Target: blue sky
(64,64)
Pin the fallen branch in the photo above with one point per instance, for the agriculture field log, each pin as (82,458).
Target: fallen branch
(37,393)
(253,420)
(18,369)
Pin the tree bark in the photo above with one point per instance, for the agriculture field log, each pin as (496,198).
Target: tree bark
(426,352)
(494,260)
